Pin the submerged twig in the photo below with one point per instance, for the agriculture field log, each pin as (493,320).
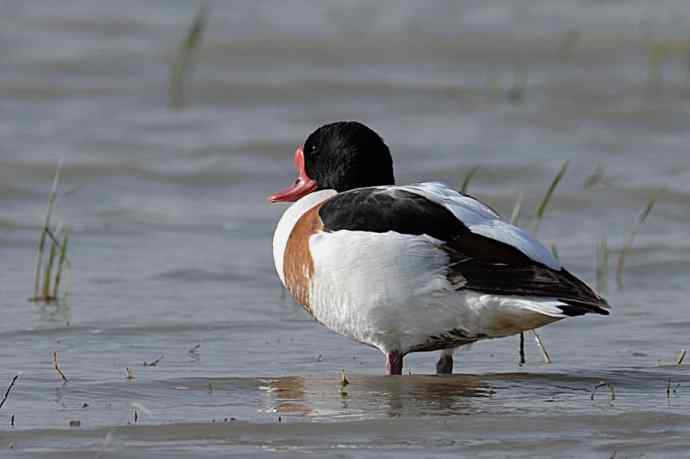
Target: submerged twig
(670,387)
(612,392)
(57,367)
(522,348)
(9,389)
(139,411)
(631,239)
(681,357)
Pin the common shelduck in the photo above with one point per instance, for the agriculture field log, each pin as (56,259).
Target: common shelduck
(409,268)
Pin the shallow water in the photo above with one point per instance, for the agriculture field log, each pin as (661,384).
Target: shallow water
(170,245)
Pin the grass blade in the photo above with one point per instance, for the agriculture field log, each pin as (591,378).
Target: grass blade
(648,208)
(569,42)
(184,59)
(61,265)
(620,266)
(601,266)
(468,179)
(49,272)
(516,93)
(554,251)
(46,229)
(539,215)
(547,197)
(39,264)
(517,209)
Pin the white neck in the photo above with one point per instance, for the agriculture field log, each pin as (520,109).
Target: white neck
(288,221)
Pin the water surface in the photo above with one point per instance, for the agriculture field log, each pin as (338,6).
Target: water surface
(170,234)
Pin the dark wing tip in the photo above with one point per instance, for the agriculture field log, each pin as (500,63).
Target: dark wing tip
(571,309)
(586,301)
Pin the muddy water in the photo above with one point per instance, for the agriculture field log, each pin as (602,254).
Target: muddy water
(170,234)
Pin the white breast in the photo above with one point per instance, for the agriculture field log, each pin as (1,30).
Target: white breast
(378,287)
(287,222)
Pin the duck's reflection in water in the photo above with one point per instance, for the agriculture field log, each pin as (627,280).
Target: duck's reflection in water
(376,396)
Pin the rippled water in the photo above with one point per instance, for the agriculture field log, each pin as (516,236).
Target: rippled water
(170,245)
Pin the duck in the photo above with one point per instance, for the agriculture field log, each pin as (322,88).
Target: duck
(409,268)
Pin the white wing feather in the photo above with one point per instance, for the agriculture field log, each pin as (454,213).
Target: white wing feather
(480,219)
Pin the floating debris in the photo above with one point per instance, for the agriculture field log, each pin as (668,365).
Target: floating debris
(155,362)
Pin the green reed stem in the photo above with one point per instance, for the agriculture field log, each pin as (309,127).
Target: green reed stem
(45,232)
(186,53)
(517,210)
(49,271)
(620,267)
(547,197)
(468,179)
(601,266)
(61,265)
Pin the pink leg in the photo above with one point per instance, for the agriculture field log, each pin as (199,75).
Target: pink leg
(394,363)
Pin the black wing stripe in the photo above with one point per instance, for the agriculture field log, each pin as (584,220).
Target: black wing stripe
(381,210)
